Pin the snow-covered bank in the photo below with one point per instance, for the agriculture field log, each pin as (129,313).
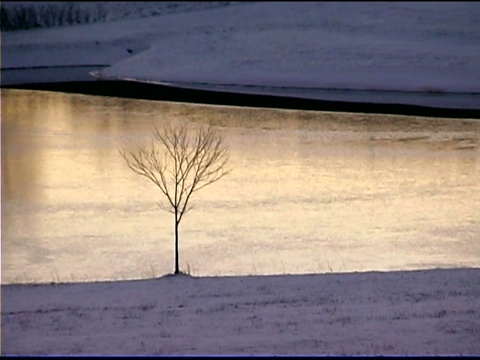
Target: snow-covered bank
(400,52)
(431,312)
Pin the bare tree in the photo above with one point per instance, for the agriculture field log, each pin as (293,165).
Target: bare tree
(179,162)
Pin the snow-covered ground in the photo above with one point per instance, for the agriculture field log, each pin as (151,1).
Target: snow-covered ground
(429,312)
(407,49)
(404,52)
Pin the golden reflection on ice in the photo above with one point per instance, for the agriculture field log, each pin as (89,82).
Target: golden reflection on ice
(309,192)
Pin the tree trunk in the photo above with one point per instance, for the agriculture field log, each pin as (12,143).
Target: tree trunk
(177,268)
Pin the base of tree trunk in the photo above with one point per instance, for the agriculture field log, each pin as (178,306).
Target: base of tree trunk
(179,274)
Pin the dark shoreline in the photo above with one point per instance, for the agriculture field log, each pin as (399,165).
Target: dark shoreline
(148,91)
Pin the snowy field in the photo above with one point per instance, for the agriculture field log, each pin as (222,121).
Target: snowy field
(430,312)
(423,53)
(379,49)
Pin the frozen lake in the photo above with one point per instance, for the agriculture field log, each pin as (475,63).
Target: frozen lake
(309,192)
